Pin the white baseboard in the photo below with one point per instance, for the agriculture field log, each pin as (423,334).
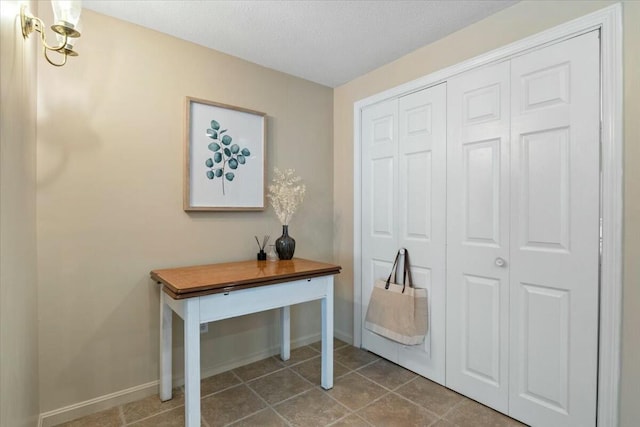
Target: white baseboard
(343,336)
(91,406)
(101,403)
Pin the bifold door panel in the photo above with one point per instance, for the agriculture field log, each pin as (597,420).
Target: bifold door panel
(379,213)
(403,205)
(478,234)
(554,250)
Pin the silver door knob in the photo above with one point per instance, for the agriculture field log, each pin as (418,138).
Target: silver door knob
(500,262)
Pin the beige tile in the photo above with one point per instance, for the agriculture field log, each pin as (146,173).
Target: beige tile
(336,344)
(393,411)
(301,354)
(257,369)
(279,386)
(172,418)
(472,414)
(230,405)
(265,418)
(217,382)
(313,408)
(311,370)
(430,395)
(151,405)
(355,391)
(351,421)
(443,423)
(354,358)
(108,418)
(387,374)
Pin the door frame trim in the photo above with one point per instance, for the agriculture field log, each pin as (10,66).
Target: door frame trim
(609,22)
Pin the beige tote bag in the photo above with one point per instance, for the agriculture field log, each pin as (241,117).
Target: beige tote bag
(398,312)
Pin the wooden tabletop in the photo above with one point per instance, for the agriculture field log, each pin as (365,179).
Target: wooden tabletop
(187,282)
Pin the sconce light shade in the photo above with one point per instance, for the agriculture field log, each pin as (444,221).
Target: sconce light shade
(66,16)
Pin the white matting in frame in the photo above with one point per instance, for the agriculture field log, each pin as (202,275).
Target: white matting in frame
(225,157)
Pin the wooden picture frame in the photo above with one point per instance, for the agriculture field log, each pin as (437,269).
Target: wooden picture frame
(225,157)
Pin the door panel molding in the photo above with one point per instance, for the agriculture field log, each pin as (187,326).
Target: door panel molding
(541,305)
(481,325)
(544,205)
(481,225)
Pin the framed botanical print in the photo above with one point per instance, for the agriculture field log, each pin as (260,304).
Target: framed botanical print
(225,157)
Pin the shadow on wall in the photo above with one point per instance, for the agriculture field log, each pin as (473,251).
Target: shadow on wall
(80,88)
(57,143)
(13,68)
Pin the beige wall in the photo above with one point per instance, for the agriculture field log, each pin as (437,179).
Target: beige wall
(110,167)
(110,187)
(630,410)
(18,280)
(514,23)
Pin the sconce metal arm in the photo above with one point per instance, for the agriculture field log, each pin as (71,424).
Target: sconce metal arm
(32,23)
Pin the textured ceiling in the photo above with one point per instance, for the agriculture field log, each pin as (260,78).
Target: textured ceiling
(328,42)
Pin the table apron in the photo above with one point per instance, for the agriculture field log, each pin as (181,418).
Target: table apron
(237,303)
(252,300)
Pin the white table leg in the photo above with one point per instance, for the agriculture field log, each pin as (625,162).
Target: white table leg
(166,317)
(285,335)
(327,338)
(192,362)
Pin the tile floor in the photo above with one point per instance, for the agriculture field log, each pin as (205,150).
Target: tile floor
(368,391)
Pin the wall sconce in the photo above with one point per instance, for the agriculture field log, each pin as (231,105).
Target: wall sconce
(66,15)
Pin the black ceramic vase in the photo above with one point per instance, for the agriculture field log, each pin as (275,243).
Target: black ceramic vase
(285,244)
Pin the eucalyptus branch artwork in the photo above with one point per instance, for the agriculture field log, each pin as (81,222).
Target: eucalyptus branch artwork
(225,155)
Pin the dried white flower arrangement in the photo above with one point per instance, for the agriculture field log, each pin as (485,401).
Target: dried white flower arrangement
(286,194)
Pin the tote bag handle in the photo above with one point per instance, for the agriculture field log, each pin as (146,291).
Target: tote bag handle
(406,272)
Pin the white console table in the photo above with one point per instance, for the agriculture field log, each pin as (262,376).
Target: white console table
(203,294)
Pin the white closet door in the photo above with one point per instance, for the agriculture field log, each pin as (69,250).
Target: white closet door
(404,205)
(554,238)
(422,218)
(379,209)
(478,234)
